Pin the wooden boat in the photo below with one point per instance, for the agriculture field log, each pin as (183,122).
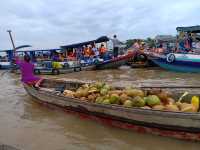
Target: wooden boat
(178,62)
(182,57)
(115,62)
(164,123)
(47,69)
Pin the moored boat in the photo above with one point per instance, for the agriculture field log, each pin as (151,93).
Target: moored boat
(184,55)
(46,68)
(178,62)
(115,62)
(180,125)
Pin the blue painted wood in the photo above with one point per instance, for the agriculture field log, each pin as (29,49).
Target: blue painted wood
(179,65)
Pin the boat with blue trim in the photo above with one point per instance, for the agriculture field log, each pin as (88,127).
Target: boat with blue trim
(184,56)
(178,62)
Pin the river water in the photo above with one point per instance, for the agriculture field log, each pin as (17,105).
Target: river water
(28,125)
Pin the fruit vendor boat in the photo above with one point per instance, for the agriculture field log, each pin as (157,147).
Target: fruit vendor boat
(181,125)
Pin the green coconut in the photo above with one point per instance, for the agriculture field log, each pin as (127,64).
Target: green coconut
(99,85)
(138,101)
(128,103)
(114,99)
(104,91)
(106,102)
(134,92)
(99,100)
(123,98)
(152,100)
(106,86)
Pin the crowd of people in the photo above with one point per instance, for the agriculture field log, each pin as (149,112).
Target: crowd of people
(91,51)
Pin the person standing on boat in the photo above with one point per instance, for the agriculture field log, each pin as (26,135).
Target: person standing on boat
(27,70)
(116,45)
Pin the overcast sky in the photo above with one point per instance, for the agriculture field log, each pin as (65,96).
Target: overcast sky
(52,23)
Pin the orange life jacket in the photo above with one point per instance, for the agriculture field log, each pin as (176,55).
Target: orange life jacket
(102,50)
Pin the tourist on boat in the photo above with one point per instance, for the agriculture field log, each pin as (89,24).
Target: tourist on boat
(197,45)
(102,51)
(136,45)
(188,42)
(27,70)
(95,50)
(56,60)
(116,45)
(87,52)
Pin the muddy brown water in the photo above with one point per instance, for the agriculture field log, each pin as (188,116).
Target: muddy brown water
(28,125)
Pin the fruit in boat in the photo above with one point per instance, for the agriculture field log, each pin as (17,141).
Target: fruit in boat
(78,94)
(106,102)
(91,97)
(99,85)
(85,86)
(83,98)
(123,98)
(114,99)
(170,101)
(106,86)
(163,96)
(138,101)
(85,92)
(93,90)
(118,92)
(134,92)
(99,100)
(158,107)
(104,91)
(152,100)
(195,102)
(128,103)
(189,108)
(172,107)
(68,93)
(185,107)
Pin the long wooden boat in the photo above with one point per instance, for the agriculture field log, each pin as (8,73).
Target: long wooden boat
(52,71)
(178,62)
(115,62)
(46,68)
(179,125)
(5,65)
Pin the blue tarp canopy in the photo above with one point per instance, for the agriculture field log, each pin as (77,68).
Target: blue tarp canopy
(191,29)
(77,45)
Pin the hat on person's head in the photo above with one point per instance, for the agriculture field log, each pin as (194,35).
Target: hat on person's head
(115,36)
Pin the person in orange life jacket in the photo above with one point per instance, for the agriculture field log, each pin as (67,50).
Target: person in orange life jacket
(102,51)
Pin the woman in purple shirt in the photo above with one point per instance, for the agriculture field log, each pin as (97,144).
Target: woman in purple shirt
(27,70)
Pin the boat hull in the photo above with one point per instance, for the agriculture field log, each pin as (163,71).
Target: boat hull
(179,125)
(178,65)
(116,62)
(51,71)
(5,65)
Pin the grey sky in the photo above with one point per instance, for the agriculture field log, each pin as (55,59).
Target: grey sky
(51,23)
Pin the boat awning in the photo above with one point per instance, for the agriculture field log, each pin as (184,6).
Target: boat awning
(77,45)
(191,29)
(165,38)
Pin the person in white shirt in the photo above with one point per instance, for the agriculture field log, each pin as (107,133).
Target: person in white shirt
(116,45)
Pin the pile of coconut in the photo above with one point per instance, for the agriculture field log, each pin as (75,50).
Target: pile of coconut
(105,94)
